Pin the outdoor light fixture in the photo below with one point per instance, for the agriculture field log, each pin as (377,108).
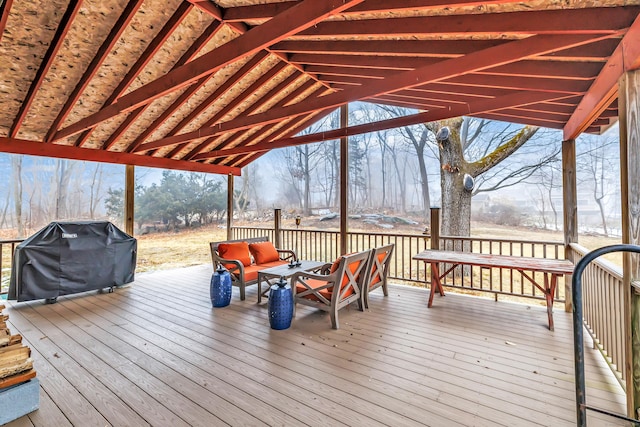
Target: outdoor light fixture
(298,220)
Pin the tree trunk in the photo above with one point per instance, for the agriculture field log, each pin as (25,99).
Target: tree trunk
(16,163)
(456,201)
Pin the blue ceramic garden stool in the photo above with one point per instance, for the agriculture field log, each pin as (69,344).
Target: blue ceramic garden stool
(221,288)
(280,305)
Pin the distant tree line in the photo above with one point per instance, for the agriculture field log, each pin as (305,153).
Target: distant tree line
(179,199)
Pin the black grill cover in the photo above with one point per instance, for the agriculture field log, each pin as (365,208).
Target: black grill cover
(70,257)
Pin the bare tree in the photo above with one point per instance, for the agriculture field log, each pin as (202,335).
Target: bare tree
(64,169)
(16,166)
(457,174)
(597,165)
(95,190)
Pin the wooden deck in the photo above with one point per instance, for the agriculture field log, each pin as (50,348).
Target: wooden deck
(156,353)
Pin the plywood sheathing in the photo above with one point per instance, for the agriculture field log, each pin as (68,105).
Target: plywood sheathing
(30,28)
(176,45)
(237,90)
(88,31)
(158,106)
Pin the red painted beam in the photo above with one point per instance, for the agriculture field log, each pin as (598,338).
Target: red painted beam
(413,48)
(605,87)
(172,24)
(219,92)
(33,148)
(263,12)
(261,102)
(193,50)
(45,65)
(517,99)
(266,130)
(602,20)
(178,16)
(262,80)
(521,83)
(117,30)
(488,58)
(291,21)
(5,9)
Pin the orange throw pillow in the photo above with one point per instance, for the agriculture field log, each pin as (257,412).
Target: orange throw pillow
(264,252)
(238,250)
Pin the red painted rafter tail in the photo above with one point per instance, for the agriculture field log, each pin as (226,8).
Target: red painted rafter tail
(117,30)
(476,61)
(290,22)
(54,46)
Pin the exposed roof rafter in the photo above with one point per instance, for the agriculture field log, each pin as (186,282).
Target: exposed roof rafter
(515,99)
(54,46)
(117,30)
(178,16)
(488,58)
(291,21)
(604,89)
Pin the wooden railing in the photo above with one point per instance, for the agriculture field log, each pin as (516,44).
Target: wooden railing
(323,245)
(7,247)
(603,309)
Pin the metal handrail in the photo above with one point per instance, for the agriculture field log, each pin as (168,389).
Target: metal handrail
(578,336)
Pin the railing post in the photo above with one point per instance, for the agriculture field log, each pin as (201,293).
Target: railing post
(628,100)
(229,206)
(569,209)
(277,226)
(129,196)
(435,228)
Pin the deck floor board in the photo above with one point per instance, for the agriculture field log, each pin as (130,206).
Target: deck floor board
(156,353)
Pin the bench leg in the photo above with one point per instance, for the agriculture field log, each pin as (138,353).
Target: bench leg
(550,291)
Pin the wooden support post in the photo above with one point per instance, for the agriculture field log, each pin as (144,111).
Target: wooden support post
(129,195)
(629,111)
(230,180)
(344,181)
(435,228)
(569,209)
(277,226)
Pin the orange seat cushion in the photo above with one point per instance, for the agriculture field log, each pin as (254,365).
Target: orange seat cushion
(315,284)
(264,252)
(237,250)
(251,272)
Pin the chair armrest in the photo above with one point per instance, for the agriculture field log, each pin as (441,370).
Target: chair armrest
(309,275)
(238,265)
(288,252)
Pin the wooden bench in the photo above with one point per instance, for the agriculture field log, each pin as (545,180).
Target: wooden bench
(246,275)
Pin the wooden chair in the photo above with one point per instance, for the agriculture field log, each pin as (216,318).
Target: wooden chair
(378,270)
(245,273)
(339,287)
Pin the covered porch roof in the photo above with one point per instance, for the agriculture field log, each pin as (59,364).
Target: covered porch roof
(212,85)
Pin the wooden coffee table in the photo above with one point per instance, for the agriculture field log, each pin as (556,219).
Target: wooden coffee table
(272,274)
